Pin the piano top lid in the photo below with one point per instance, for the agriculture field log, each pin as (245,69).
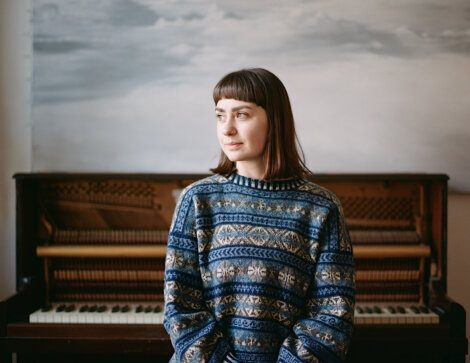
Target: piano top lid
(173,176)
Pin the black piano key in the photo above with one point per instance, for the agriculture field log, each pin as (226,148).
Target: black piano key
(424,309)
(401,310)
(60,308)
(46,308)
(368,310)
(392,309)
(439,310)
(148,309)
(125,309)
(415,309)
(115,309)
(102,308)
(157,309)
(93,308)
(139,309)
(83,309)
(69,308)
(377,310)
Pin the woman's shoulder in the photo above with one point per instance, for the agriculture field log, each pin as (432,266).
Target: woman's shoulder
(205,184)
(184,197)
(214,179)
(320,192)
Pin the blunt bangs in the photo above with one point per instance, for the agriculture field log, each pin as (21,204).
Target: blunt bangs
(244,85)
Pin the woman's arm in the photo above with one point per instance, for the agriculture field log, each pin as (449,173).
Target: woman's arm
(323,335)
(193,329)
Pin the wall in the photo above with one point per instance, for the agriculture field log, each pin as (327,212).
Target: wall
(15,124)
(375,85)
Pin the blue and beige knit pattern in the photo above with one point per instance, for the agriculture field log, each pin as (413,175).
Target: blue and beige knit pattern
(258,271)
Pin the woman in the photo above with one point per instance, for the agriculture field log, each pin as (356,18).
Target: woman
(259,262)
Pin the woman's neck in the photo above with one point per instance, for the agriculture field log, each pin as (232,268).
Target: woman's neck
(254,170)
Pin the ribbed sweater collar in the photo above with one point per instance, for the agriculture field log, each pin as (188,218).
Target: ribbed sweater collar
(262,184)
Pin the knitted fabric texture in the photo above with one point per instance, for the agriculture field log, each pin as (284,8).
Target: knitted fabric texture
(258,271)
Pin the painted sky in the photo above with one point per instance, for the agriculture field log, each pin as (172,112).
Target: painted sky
(376,86)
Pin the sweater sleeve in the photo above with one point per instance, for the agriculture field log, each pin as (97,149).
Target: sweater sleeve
(192,328)
(323,334)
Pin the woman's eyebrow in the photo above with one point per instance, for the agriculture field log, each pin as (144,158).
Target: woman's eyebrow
(238,108)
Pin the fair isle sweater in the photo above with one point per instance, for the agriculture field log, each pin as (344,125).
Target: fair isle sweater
(258,271)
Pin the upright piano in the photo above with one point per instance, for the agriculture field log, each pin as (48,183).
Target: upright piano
(90,265)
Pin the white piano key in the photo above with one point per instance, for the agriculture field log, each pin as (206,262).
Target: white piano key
(81,318)
(132,318)
(73,317)
(67,317)
(57,317)
(157,318)
(89,318)
(148,318)
(97,318)
(44,316)
(122,318)
(33,318)
(114,318)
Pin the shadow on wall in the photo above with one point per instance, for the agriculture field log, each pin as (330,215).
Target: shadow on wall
(15,129)
(7,211)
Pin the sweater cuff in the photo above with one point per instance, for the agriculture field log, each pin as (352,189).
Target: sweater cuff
(230,358)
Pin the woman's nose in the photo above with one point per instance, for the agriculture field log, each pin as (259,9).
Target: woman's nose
(230,131)
(230,128)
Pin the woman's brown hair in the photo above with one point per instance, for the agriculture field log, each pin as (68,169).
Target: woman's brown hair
(284,155)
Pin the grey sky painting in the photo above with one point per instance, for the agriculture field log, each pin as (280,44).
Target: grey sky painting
(376,85)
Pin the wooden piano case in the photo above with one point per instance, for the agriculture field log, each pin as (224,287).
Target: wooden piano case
(101,237)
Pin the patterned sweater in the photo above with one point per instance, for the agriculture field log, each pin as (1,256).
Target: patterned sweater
(258,271)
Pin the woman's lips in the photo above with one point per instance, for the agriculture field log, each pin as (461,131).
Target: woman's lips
(233,145)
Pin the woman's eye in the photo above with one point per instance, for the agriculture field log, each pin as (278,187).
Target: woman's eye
(242,115)
(219,117)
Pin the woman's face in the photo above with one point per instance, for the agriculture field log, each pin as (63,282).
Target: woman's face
(242,130)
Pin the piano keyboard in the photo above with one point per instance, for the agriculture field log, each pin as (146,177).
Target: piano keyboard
(145,313)
(96,313)
(388,314)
